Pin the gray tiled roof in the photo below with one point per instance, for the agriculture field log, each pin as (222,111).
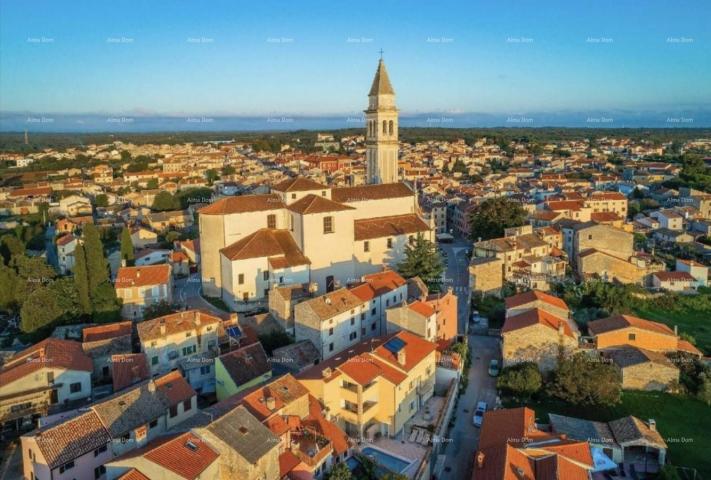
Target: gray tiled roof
(245,434)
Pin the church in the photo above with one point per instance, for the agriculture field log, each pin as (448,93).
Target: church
(307,233)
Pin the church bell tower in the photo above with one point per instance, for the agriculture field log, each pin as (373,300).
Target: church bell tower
(381,130)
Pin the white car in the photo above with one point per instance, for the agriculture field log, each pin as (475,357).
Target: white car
(479,413)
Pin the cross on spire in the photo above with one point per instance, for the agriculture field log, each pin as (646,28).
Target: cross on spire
(381,54)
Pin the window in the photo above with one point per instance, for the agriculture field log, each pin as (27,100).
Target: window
(293,196)
(99,472)
(362,331)
(372,327)
(271,221)
(385,127)
(330,347)
(173,411)
(589,237)
(99,450)
(75,387)
(353,335)
(327,224)
(411,239)
(240,278)
(632,336)
(188,334)
(323,193)
(330,331)
(153,424)
(366,246)
(245,296)
(154,360)
(412,405)
(66,466)
(374,311)
(362,317)
(189,350)
(205,370)
(266,275)
(105,371)
(390,127)
(390,243)
(352,321)
(187,405)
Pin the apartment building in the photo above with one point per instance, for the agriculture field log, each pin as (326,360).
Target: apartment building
(377,385)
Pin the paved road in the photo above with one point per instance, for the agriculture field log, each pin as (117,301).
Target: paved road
(11,464)
(457,276)
(464,435)
(187,293)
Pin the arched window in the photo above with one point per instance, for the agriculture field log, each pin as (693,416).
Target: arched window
(390,128)
(385,127)
(370,128)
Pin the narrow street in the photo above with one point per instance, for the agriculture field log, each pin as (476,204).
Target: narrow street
(187,293)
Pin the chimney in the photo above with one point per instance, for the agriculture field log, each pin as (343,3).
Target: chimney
(138,273)
(326,372)
(162,326)
(233,318)
(151,386)
(561,328)
(123,262)
(327,300)
(401,357)
(271,403)
(676,330)
(480,457)
(652,424)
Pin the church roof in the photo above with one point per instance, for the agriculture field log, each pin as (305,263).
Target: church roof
(381,82)
(298,184)
(391,226)
(316,204)
(371,192)
(243,203)
(278,245)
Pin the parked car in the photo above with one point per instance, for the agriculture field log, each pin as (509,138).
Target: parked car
(479,414)
(494,368)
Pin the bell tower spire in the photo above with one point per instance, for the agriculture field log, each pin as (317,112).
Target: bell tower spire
(381,129)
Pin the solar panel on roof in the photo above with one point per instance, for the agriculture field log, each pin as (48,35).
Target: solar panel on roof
(234,332)
(394,345)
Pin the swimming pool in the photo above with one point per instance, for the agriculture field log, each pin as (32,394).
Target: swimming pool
(392,463)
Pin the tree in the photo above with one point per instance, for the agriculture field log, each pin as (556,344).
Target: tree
(127,246)
(193,195)
(523,379)
(165,201)
(32,273)
(340,472)
(493,215)
(41,309)
(228,170)
(11,245)
(101,291)
(8,278)
(152,184)
(211,175)
(158,309)
(81,279)
(704,393)
(584,379)
(422,260)
(101,200)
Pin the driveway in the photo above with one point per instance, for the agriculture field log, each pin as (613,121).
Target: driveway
(464,435)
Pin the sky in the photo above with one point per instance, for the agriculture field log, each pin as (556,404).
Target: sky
(212,57)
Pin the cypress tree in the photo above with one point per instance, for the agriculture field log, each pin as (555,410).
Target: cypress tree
(127,246)
(81,278)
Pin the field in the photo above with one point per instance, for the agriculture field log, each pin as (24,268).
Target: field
(684,422)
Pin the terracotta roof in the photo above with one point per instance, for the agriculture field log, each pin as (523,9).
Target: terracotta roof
(185,321)
(674,276)
(128,369)
(106,331)
(627,356)
(267,242)
(174,387)
(246,363)
(63,442)
(332,303)
(186,455)
(49,353)
(365,368)
(416,349)
(618,322)
(287,462)
(604,217)
(284,390)
(381,82)
(316,204)
(242,204)
(565,205)
(298,184)
(371,192)
(422,308)
(688,347)
(380,227)
(144,276)
(65,239)
(377,284)
(133,474)
(536,316)
(533,295)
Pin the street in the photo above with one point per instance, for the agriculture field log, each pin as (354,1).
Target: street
(464,435)
(187,293)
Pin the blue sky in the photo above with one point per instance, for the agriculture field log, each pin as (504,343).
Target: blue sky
(307,57)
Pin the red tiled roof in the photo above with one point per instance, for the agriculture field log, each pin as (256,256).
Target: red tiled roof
(298,184)
(175,387)
(185,321)
(133,474)
(536,316)
(186,455)
(127,369)
(106,332)
(316,204)
(618,322)
(287,462)
(422,308)
(674,276)
(49,353)
(532,296)
(379,227)
(142,276)
(416,349)
(266,242)
(371,192)
(242,204)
